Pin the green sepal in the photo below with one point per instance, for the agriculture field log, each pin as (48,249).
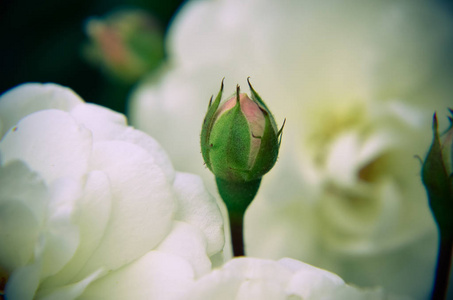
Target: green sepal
(261,104)
(208,122)
(438,184)
(268,153)
(230,144)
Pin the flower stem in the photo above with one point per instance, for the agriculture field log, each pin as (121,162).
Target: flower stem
(237,196)
(237,236)
(444,259)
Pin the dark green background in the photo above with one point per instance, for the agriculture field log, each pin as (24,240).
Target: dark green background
(41,41)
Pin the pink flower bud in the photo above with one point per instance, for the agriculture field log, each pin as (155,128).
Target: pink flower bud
(240,140)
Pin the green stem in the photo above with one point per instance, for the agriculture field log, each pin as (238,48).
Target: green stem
(443,268)
(237,197)
(237,237)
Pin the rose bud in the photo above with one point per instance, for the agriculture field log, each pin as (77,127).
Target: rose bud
(239,139)
(239,143)
(126,44)
(437,177)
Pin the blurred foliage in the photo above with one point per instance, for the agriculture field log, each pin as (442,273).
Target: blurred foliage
(42,41)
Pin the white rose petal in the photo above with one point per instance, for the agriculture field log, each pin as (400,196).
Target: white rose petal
(95,117)
(252,278)
(24,281)
(92,214)
(188,242)
(60,235)
(32,97)
(156,275)
(134,178)
(149,144)
(23,197)
(51,142)
(70,291)
(191,194)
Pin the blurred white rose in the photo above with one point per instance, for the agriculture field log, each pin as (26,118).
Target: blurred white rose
(91,208)
(358,83)
(253,278)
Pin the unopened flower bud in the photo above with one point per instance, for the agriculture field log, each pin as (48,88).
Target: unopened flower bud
(239,139)
(437,176)
(239,143)
(126,44)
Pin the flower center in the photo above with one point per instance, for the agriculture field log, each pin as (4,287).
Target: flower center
(374,169)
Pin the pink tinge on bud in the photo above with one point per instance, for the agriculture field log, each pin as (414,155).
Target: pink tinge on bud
(110,42)
(254,115)
(255,118)
(257,122)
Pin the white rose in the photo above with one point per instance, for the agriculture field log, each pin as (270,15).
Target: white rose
(91,208)
(253,278)
(358,83)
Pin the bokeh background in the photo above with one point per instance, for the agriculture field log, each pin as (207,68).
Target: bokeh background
(43,41)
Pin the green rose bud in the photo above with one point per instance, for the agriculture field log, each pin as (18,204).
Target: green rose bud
(239,139)
(239,143)
(437,176)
